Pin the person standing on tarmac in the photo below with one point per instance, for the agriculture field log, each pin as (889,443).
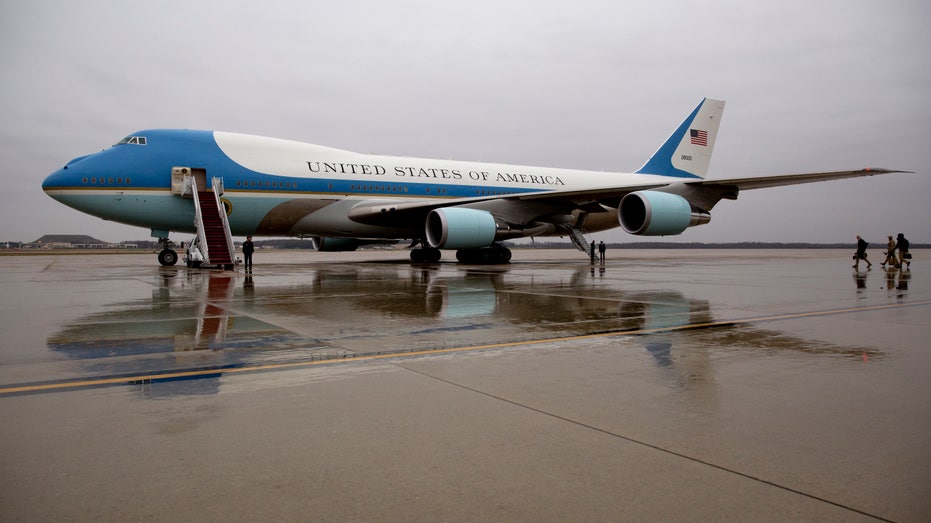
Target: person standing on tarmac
(247,250)
(601,249)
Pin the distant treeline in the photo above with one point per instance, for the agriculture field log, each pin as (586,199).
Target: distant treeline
(305,244)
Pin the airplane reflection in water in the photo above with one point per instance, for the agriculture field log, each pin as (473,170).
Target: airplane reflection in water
(209,320)
(193,317)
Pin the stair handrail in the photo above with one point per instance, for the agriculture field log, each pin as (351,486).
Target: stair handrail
(217,192)
(199,224)
(577,237)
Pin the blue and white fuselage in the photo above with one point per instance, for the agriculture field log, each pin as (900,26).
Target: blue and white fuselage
(275,187)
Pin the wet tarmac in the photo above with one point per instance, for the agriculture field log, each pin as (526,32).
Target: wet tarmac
(664,385)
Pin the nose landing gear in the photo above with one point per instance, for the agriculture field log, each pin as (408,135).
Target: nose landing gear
(167,257)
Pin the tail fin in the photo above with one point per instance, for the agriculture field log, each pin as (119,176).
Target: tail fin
(687,152)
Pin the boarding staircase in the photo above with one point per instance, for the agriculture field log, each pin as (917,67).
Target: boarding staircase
(577,237)
(213,230)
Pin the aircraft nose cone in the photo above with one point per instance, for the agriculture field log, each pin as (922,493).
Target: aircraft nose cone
(53,183)
(61,179)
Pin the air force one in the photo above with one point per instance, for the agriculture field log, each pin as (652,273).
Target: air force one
(219,184)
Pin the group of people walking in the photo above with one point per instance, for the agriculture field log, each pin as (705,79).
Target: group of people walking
(897,254)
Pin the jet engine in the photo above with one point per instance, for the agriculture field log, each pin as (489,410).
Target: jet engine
(460,228)
(326,244)
(654,213)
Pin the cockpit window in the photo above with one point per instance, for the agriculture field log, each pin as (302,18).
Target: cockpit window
(138,140)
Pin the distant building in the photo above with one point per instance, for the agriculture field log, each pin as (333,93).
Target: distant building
(69,241)
(82,241)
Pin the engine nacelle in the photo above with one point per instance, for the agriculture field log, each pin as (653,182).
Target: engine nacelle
(460,228)
(654,213)
(326,244)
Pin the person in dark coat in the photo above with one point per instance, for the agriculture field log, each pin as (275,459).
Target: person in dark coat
(861,254)
(901,245)
(247,250)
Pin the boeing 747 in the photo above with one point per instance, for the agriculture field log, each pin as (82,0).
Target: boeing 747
(177,180)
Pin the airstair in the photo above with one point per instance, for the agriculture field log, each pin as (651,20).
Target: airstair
(213,245)
(213,230)
(578,238)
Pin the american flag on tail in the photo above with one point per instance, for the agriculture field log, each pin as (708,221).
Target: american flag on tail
(699,137)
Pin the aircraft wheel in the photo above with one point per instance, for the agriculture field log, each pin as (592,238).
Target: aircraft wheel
(168,257)
(476,256)
(426,254)
(486,255)
(432,255)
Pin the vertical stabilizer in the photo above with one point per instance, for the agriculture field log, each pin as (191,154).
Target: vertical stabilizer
(687,152)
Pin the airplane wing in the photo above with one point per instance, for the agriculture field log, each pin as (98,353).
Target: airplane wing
(759,182)
(703,193)
(388,212)
(762,182)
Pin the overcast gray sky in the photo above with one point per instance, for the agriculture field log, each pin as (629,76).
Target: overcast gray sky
(810,86)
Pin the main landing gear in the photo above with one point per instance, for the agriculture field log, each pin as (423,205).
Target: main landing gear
(426,255)
(167,257)
(493,254)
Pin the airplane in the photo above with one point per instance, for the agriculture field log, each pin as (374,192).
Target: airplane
(342,200)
